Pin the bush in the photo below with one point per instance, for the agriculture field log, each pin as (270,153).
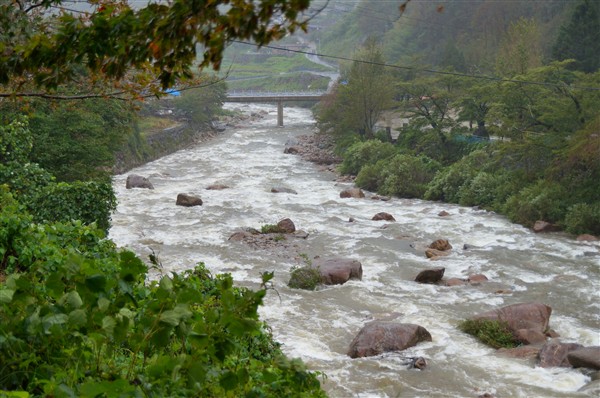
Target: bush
(543,200)
(364,153)
(89,202)
(407,176)
(271,229)
(370,176)
(583,218)
(307,278)
(493,333)
(447,184)
(68,297)
(486,190)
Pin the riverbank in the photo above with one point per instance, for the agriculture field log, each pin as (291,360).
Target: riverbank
(181,134)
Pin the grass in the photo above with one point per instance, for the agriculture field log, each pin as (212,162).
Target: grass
(270,65)
(270,229)
(307,278)
(496,334)
(152,124)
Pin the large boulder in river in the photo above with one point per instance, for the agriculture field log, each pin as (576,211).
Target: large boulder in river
(586,357)
(283,190)
(544,226)
(587,238)
(430,275)
(378,337)
(533,316)
(554,353)
(217,187)
(186,200)
(337,270)
(441,245)
(286,226)
(383,216)
(352,193)
(137,181)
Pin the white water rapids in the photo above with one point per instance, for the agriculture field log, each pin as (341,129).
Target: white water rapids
(317,326)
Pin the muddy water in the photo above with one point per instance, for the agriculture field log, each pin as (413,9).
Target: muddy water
(318,326)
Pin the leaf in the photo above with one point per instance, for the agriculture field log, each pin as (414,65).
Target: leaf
(108,324)
(228,380)
(6,295)
(116,388)
(78,317)
(53,320)
(175,316)
(72,299)
(132,267)
(96,283)
(103,304)
(166,283)
(14,394)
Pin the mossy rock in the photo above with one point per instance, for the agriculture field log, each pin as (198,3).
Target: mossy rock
(307,278)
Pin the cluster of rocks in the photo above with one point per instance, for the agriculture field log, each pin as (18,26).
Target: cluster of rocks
(240,119)
(315,148)
(283,237)
(529,324)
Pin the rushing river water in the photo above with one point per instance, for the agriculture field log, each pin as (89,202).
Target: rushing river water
(317,326)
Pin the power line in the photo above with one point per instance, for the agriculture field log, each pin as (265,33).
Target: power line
(415,69)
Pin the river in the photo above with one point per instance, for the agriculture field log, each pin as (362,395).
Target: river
(317,326)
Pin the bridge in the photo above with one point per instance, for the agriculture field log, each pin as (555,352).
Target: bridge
(277,97)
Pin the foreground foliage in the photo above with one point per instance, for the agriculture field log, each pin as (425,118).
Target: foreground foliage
(79,318)
(128,51)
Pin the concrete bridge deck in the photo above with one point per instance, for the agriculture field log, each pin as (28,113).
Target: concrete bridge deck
(277,97)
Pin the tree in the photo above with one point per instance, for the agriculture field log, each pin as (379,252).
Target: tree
(580,38)
(74,140)
(474,105)
(364,93)
(559,105)
(119,50)
(429,101)
(520,48)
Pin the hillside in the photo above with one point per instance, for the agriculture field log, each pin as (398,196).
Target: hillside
(466,35)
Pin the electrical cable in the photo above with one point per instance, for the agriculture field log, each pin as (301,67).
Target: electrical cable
(427,70)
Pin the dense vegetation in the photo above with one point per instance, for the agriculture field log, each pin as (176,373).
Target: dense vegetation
(80,319)
(524,143)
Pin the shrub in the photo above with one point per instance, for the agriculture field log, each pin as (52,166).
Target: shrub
(407,176)
(307,278)
(370,176)
(68,297)
(491,332)
(583,218)
(447,184)
(271,229)
(486,190)
(364,153)
(90,202)
(543,200)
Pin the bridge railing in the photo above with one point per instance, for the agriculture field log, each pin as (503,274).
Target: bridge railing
(253,93)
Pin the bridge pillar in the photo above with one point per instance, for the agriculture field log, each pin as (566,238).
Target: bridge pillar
(280,113)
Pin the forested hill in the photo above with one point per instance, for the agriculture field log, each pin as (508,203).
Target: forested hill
(464,34)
